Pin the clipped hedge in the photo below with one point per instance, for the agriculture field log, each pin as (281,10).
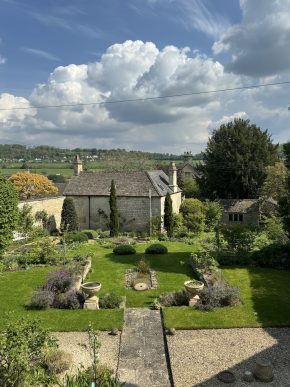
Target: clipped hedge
(76,236)
(91,234)
(156,248)
(124,250)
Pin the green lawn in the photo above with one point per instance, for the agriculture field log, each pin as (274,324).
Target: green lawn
(265,293)
(15,292)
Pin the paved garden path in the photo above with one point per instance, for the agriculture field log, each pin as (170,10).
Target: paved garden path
(142,360)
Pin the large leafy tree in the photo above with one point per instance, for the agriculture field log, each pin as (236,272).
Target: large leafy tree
(114,216)
(235,160)
(69,218)
(284,202)
(168,215)
(8,212)
(31,185)
(275,184)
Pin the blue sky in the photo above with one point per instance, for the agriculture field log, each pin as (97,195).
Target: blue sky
(78,51)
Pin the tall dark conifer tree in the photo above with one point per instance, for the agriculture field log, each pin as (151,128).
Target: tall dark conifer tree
(168,215)
(114,216)
(69,218)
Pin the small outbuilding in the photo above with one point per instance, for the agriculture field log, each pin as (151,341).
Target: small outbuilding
(245,211)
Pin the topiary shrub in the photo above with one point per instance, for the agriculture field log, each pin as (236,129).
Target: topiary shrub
(91,234)
(124,250)
(156,248)
(42,299)
(76,237)
(110,301)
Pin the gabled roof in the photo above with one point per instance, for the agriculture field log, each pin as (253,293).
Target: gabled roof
(239,205)
(131,183)
(247,205)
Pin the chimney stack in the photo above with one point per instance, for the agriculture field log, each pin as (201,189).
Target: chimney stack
(78,165)
(187,157)
(173,177)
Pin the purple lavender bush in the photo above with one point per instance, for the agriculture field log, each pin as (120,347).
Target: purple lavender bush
(59,281)
(43,299)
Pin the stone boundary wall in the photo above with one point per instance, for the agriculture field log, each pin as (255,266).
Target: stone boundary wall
(52,206)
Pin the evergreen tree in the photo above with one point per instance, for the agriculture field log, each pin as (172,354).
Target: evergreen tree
(235,161)
(168,215)
(284,202)
(114,217)
(69,218)
(8,212)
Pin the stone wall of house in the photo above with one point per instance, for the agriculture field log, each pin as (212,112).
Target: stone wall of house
(52,206)
(134,211)
(250,218)
(187,172)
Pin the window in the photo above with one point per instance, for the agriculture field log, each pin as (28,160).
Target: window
(236,217)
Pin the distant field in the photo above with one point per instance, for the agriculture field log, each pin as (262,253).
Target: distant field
(66,169)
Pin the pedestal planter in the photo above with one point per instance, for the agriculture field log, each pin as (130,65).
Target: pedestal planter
(91,289)
(193,287)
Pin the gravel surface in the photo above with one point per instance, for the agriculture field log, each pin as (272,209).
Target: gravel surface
(76,343)
(197,356)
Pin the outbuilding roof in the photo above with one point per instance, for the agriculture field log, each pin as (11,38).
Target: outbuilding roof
(245,205)
(130,183)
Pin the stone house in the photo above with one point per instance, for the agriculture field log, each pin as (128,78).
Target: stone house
(187,170)
(140,196)
(245,211)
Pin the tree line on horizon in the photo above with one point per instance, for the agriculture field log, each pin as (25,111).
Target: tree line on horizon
(9,152)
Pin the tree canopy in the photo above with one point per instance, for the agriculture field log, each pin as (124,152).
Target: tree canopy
(31,185)
(284,202)
(235,161)
(8,212)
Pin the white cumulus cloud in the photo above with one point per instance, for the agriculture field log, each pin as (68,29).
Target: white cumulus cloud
(259,45)
(136,70)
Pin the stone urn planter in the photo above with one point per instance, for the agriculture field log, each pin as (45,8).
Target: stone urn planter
(193,287)
(91,289)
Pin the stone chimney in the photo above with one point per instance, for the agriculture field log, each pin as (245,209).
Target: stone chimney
(78,165)
(187,157)
(173,177)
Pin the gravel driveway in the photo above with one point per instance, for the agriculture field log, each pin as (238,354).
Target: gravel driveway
(197,356)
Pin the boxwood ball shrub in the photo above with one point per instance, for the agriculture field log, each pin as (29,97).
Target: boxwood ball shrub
(156,248)
(124,250)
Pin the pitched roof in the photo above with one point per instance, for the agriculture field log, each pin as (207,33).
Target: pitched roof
(238,205)
(131,183)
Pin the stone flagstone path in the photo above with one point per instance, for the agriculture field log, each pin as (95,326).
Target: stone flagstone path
(142,359)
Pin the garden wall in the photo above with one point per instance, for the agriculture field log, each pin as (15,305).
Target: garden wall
(52,206)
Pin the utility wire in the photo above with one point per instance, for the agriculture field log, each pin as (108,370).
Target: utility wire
(148,98)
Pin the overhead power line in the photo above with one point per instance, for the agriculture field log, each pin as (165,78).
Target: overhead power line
(60,106)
